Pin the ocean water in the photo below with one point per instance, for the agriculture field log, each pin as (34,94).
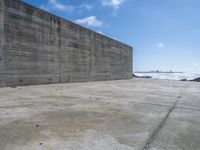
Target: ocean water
(170,76)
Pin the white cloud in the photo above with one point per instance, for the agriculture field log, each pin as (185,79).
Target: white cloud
(161,45)
(196,64)
(113,3)
(91,21)
(86,6)
(57,5)
(44,7)
(100,32)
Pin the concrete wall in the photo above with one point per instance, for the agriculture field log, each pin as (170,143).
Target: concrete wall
(2,71)
(40,48)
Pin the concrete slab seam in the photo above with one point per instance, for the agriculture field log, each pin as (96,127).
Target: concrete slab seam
(160,126)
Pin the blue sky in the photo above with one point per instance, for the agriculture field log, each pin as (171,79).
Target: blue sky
(165,34)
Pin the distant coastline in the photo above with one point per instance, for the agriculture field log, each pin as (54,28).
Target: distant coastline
(168,75)
(158,72)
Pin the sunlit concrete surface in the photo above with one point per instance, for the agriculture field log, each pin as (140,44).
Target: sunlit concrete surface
(112,115)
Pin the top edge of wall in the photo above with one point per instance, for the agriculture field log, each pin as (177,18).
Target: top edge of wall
(66,20)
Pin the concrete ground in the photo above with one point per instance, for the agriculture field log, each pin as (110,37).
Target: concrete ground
(113,115)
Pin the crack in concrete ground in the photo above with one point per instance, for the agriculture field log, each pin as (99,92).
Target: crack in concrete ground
(160,126)
(162,123)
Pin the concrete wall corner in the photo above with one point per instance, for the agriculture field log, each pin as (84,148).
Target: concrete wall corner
(132,68)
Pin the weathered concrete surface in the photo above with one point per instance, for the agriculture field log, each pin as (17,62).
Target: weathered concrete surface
(113,115)
(2,71)
(39,48)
